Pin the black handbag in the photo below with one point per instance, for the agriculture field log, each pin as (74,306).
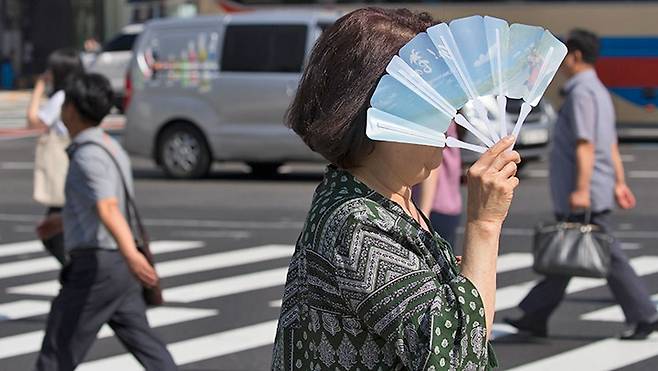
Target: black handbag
(572,249)
(152,295)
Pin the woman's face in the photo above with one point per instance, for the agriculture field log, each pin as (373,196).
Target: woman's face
(412,162)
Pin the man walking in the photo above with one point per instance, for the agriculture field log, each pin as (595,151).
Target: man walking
(587,175)
(103,281)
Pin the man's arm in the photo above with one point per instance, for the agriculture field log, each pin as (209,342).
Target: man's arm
(112,218)
(582,111)
(98,176)
(580,198)
(623,194)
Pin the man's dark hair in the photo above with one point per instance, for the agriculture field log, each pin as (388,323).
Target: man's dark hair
(586,42)
(91,95)
(62,63)
(329,109)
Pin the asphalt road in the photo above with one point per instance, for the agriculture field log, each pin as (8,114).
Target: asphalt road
(222,305)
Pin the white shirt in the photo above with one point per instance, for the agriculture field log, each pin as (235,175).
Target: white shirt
(51,111)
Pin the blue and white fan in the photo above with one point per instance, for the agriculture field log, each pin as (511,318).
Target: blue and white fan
(440,70)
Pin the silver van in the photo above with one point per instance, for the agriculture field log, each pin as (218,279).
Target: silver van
(217,88)
(113,60)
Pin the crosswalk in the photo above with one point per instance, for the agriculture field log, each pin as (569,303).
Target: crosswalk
(13,122)
(196,277)
(14,109)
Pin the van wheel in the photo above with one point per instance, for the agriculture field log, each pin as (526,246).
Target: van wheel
(183,152)
(264,169)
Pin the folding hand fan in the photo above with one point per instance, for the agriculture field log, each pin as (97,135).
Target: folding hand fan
(440,70)
(534,57)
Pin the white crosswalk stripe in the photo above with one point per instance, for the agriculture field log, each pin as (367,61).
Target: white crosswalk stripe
(185,303)
(610,314)
(186,266)
(29,342)
(197,349)
(14,111)
(226,286)
(23,309)
(603,355)
(19,248)
(45,264)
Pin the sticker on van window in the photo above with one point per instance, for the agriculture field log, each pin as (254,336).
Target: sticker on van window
(181,61)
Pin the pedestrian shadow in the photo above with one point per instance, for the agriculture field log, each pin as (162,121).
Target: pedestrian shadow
(601,300)
(520,338)
(157,174)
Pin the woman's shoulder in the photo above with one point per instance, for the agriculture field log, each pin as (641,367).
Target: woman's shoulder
(340,198)
(58,97)
(341,204)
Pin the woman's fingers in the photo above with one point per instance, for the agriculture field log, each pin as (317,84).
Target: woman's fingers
(504,159)
(493,152)
(509,170)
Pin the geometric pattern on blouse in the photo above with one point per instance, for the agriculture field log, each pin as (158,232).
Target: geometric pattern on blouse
(369,289)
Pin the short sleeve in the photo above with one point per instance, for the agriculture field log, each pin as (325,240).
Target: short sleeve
(96,174)
(583,116)
(50,112)
(432,323)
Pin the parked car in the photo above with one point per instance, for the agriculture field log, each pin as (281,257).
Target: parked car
(535,134)
(113,60)
(216,88)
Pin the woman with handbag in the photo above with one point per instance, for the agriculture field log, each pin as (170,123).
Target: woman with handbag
(51,161)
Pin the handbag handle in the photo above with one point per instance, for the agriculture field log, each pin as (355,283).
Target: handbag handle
(587,216)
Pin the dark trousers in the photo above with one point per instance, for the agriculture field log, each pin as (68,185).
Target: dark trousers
(446,226)
(98,288)
(627,288)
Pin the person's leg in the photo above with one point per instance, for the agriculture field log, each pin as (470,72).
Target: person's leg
(131,326)
(540,303)
(544,298)
(547,295)
(628,289)
(76,315)
(446,226)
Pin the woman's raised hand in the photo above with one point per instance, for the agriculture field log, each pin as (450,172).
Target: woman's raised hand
(491,183)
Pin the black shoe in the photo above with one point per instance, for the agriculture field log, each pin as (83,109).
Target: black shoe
(641,331)
(528,326)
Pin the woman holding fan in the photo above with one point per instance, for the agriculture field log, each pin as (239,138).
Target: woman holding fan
(371,285)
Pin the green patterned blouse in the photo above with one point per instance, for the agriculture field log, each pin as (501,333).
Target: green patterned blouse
(369,289)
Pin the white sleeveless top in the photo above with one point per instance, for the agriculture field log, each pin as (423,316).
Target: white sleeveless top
(50,113)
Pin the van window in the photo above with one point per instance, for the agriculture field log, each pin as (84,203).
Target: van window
(264,48)
(122,42)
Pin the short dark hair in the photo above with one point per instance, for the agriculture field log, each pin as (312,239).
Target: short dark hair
(329,109)
(62,63)
(91,95)
(586,42)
